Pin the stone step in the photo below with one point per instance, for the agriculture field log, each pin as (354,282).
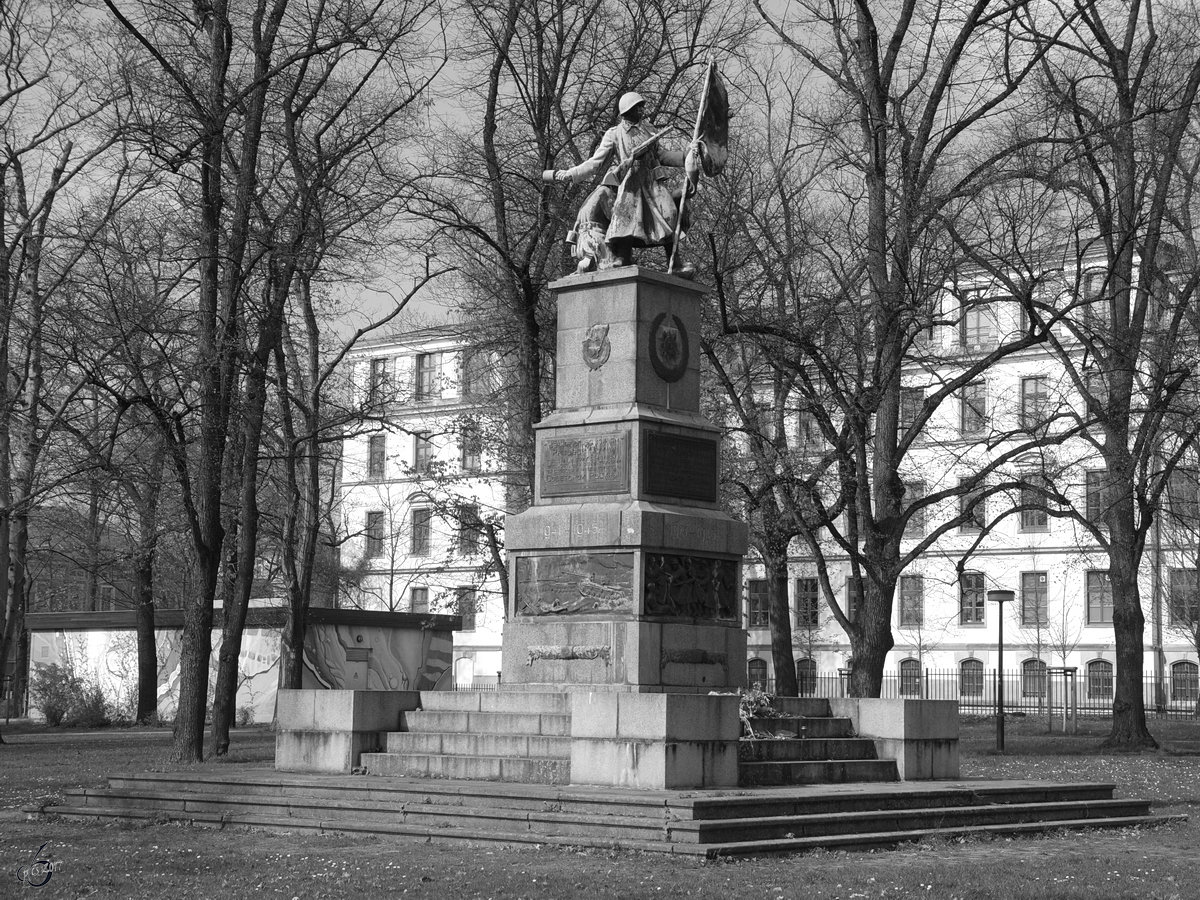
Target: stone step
(552,724)
(878,821)
(825,799)
(527,770)
(460,744)
(497,702)
(182,804)
(804,726)
(431,833)
(699,805)
(812,707)
(398,791)
(762,774)
(789,750)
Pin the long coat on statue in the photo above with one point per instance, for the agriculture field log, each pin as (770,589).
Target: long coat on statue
(639,207)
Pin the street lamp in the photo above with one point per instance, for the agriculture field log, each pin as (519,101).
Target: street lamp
(1000,598)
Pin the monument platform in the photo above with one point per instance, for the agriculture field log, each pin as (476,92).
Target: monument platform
(696,823)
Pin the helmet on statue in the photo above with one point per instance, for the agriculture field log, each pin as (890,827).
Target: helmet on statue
(629,101)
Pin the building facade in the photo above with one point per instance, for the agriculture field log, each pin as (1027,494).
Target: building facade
(417,497)
(1017,540)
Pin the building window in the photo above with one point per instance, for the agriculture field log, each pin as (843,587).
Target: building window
(468,374)
(376,447)
(470,529)
(808,603)
(911,400)
(378,383)
(1035,401)
(418,600)
(1096,496)
(1095,304)
(470,449)
(1185,681)
(914,493)
(1099,598)
(1035,510)
(465,604)
(1099,680)
(854,599)
(1096,386)
(912,601)
(970,678)
(756,669)
(977,328)
(1183,497)
(1184,599)
(1033,599)
(973,505)
(806,676)
(1033,678)
(910,678)
(428,367)
(970,598)
(973,409)
(422,531)
(757,603)
(374,535)
(106,597)
(422,451)
(808,432)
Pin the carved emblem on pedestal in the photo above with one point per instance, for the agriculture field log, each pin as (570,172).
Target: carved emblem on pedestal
(668,347)
(596,348)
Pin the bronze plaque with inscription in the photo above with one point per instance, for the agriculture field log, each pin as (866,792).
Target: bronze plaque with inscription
(575,584)
(680,466)
(591,464)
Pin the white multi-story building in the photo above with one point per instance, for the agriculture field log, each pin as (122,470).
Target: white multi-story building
(416,486)
(416,494)
(1062,615)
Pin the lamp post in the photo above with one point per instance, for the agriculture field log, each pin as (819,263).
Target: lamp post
(1000,598)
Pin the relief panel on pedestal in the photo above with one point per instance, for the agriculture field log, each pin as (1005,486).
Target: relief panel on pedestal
(575,584)
(696,587)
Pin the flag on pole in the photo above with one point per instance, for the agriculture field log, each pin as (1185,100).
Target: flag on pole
(713,122)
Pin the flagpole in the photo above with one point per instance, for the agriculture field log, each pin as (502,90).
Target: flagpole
(695,137)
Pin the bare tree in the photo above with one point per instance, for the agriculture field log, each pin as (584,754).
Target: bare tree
(852,305)
(1115,95)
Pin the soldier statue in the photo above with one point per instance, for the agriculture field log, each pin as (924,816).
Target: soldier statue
(633,206)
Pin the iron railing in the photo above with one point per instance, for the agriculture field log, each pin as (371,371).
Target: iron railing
(1024,692)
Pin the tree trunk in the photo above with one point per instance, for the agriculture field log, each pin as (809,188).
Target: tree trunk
(225,699)
(147,702)
(873,641)
(775,563)
(1129,731)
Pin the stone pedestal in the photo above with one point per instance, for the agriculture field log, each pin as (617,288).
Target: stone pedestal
(920,735)
(328,731)
(655,741)
(625,572)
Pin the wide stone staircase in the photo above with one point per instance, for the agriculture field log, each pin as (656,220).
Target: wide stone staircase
(488,736)
(702,823)
(807,744)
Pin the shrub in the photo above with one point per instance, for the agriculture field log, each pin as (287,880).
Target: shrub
(245,716)
(55,689)
(91,708)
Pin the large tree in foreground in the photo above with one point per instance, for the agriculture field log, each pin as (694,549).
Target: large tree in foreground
(1115,101)
(907,94)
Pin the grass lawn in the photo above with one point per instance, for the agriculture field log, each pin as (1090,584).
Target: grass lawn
(181,862)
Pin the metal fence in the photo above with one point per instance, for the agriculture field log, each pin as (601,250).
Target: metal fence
(1030,692)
